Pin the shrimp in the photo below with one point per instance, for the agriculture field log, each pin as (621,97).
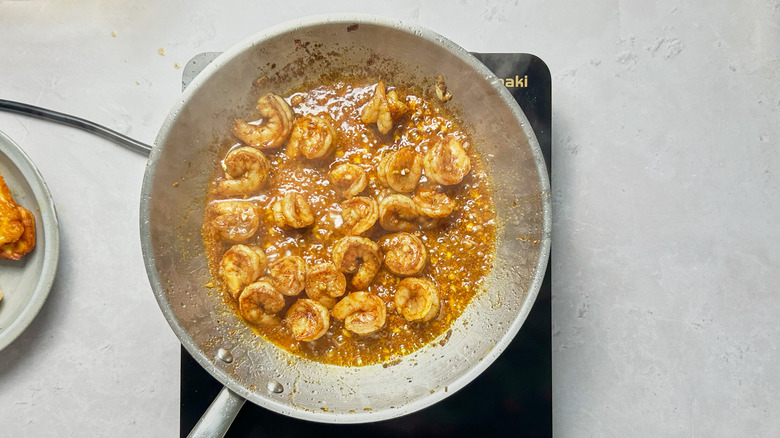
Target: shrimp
(288,275)
(246,171)
(405,254)
(234,220)
(396,106)
(434,204)
(308,320)
(398,213)
(363,313)
(240,266)
(359,256)
(259,301)
(401,170)
(11,221)
(447,162)
(349,179)
(276,126)
(377,110)
(293,210)
(312,136)
(359,215)
(25,243)
(324,283)
(417,299)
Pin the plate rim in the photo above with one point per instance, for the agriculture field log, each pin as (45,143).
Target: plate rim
(51,246)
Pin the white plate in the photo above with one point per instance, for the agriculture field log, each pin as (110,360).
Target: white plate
(26,283)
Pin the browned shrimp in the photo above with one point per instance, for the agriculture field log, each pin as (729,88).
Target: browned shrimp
(377,110)
(400,170)
(234,220)
(313,136)
(292,210)
(240,266)
(274,127)
(398,213)
(447,162)
(324,283)
(359,214)
(308,320)
(288,275)
(359,256)
(417,299)
(349,179)
(246,171)
(363,313)
(434,204)
(405,254)
(259,301)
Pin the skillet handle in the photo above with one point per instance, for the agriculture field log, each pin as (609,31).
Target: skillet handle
(217,419)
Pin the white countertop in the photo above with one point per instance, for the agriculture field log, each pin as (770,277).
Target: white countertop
(666,194)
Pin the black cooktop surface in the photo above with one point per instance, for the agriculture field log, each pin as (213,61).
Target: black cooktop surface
(513,396)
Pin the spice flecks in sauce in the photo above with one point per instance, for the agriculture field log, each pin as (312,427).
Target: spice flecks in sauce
(460,247)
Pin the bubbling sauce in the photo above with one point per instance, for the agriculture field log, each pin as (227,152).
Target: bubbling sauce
(460,247)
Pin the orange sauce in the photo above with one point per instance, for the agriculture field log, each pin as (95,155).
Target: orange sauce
(460,248)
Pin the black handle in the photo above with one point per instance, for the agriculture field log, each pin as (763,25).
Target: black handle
(76,122)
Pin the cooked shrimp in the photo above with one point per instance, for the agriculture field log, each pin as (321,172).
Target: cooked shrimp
(377,110)
(359,256)
(359,214)
(312,136)
(447,162)
(405,254)
(434,204)
(240,266)
(292,210)
(349,179)
(417,299)
(275,127)
(401,170)
(246,171)
(308,320)
(288,275)
(234,220)
(324,283)
(26,242)
(396,105)
(398,213)
(260,301)
(363,313)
